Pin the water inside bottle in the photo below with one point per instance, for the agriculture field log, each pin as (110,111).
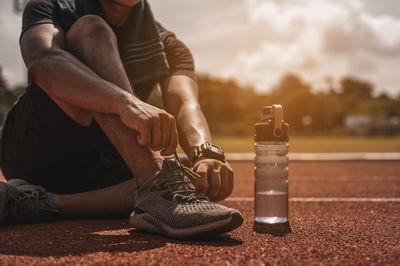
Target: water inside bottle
(271,206)
(271,183)
(271,194)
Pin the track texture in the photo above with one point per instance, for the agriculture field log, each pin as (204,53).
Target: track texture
(322,232)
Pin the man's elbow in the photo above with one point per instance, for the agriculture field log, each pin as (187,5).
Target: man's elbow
(33,71)
(43,65)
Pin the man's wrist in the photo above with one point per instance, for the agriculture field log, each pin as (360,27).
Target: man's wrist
(208,150)
(119,100)
(123,101)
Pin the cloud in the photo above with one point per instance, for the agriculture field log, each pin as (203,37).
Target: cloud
(10,58)
(319,38)
(257,41)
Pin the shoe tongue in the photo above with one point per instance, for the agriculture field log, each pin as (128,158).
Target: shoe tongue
(170,165)
(168,168)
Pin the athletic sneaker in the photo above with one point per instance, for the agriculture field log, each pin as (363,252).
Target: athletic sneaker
(24,203)
(170,205)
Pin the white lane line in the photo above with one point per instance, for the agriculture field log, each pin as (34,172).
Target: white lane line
(348,156)
(347,177)
(312,199)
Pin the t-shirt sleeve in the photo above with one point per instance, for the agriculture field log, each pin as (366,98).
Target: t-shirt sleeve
(38,12)
(179,57)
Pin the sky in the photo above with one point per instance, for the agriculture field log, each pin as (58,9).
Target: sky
(257,41)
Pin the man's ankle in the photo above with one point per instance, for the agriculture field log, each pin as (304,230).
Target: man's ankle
(149,171)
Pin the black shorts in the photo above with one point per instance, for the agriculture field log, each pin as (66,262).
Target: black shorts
(41,144)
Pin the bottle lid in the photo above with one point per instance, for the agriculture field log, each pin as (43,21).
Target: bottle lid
(273,128)
(266,113)
(264,132)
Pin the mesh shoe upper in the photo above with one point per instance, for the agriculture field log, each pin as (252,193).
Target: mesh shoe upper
(171,197)
(25,203)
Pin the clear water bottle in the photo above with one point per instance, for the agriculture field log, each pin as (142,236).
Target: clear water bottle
(271,167)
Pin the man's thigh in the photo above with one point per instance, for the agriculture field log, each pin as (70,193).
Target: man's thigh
(43,145)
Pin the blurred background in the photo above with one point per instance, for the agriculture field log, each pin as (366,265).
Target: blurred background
(332,64)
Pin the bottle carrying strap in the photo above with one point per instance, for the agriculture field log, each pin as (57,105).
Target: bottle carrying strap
(278,118)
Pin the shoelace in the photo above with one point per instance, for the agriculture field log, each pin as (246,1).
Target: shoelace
(192,175)
(179,186)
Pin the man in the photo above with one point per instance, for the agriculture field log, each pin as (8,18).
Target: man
(83,131)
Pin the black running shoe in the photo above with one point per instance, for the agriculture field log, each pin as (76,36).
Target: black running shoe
(170,205)
(24,203)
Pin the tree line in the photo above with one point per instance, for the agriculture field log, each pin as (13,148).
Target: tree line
(232,109)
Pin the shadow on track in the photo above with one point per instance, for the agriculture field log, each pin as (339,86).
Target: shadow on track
(76,237)
(80,237)
(224,240)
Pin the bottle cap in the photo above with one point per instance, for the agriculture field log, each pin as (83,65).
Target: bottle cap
(273,128)
(266,113)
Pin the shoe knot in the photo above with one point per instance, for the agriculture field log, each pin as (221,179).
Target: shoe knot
(174,165)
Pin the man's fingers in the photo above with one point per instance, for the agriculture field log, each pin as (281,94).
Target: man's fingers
(166,130)
(159,133)
(230,181)
(224,189)
(202,182)
(173,140)
(156,134)
(225,183)
(144,136)
(156,128)
(219,176)
(173,143)
(214,183)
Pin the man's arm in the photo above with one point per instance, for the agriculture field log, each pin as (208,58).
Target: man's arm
(180,97)
(63,77)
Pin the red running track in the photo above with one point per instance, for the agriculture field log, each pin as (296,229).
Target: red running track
(327,232)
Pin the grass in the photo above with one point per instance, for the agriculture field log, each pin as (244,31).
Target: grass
(318,144)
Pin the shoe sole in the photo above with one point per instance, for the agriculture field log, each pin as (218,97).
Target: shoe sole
(147,222)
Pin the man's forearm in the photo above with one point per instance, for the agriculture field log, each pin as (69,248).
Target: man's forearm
(181,100)
(192,127)
(64,77)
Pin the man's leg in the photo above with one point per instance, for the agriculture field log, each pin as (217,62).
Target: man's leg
(92,41)
(169,204)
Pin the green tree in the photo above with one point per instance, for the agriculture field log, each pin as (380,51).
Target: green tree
(354,94)
(297,100)
(6,96)
(356,89)
(228,107)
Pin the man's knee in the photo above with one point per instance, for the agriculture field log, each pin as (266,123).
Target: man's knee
(88,30)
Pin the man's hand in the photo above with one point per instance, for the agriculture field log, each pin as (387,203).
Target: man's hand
(216,178)
(156,128)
